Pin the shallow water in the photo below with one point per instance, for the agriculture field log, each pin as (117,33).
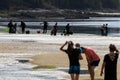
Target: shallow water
(11,69)
(90,26)
(92,21)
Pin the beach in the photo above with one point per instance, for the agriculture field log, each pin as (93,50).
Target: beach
(43,50)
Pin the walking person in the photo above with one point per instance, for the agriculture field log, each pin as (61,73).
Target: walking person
(74,56)
(109,65)
(92,59)
(23,25)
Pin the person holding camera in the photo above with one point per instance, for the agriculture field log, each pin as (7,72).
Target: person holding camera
(74,57)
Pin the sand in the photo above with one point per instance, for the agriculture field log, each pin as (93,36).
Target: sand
(45,49)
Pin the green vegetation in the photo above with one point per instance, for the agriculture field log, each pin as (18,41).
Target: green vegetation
(61,4)
(39,9)
(45,67)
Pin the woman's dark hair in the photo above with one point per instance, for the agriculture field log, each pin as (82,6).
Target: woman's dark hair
(112,48)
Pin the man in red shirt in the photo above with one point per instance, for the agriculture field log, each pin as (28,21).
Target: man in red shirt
(92,59)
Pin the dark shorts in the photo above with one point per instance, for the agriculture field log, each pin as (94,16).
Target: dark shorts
(74,70)
(95,63)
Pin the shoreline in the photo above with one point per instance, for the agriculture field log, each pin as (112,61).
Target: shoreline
(55,14)
(43,49)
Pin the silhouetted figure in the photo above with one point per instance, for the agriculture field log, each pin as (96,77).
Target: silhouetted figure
(67,28)
(23,25)
(45,27)
(106,29)
(102,30)
(10,26)
(54,30)
(15,26)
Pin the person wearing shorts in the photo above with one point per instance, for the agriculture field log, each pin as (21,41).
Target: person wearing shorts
(92,59)
(74,69)
(95,63)
(74,56)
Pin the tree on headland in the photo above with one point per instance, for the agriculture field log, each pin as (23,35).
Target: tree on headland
(61,4)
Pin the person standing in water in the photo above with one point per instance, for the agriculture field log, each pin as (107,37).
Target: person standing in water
(45,26)
(23,25)
(54,30)
(10,26)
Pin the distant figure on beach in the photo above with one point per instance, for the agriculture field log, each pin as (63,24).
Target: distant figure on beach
(74,57)
(104,30)
(15,27)
(67,30)
(109,66)
(45,26)
(23,26)
(11,27)
(54,30)
(92,59)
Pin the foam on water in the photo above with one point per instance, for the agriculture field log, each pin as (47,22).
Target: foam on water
(10,69)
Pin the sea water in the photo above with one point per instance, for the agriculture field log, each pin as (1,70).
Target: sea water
(94,21)
(11,69)
(91,25)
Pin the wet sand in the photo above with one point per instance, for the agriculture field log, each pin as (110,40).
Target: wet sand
(45,49)
(60,59)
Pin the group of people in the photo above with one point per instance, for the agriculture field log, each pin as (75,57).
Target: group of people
(75,54)
(104,30)
(54,29)
(66,31)
(13,27)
